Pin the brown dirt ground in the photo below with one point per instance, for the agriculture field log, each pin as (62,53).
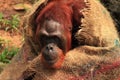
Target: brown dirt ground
(6,7)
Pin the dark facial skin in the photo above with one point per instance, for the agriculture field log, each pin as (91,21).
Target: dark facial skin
(52,40)
(50,53)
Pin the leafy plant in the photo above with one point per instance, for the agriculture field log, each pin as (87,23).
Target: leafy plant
(3,42)
(14,22)
(3,22)
(1,19)
(1,16)
(9,24)
(7,54)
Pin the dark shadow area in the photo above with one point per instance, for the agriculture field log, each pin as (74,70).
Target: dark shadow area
(114,7)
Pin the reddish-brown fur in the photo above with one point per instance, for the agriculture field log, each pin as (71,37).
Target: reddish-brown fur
(64,12)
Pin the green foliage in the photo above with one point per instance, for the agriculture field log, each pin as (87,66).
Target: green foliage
(9,24)
(7,54)
(3,42)
(1,16)
(3,22)
(14,22)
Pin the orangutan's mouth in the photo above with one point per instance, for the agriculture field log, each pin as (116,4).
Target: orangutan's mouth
(50,54)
